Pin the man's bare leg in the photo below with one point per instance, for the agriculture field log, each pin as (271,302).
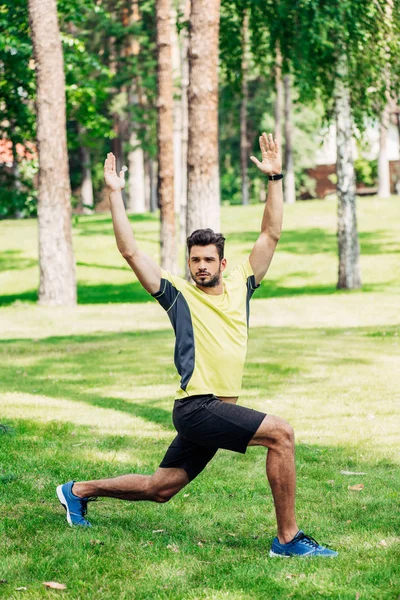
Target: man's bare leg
(277,435)
(159,487)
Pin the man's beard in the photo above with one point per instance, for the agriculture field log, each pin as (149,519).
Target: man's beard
(213,282)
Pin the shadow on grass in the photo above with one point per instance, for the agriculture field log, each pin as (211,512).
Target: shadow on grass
(103,293)
(14,260)
(70,367)
(87,368)
(226,508)
(318,241)
(102,224)
(125,293)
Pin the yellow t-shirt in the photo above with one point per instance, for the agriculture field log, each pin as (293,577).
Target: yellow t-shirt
(211,331)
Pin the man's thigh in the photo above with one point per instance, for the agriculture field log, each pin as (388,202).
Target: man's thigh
(186,455)
(216,424)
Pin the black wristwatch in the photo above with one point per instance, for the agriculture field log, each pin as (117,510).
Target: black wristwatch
(275,177)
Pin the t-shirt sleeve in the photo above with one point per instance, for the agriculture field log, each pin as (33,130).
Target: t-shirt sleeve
(170,287)
(244,273)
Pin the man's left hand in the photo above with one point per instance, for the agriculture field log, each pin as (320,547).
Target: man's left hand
(271,158)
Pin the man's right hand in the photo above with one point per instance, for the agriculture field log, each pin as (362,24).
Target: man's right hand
(113,182)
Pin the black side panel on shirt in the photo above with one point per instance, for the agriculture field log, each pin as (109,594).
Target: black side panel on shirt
(179,314)
(251,288)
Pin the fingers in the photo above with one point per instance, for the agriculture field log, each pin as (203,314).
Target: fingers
(122,174)
(263,146)
(256,161)
(268,144)
(109,163)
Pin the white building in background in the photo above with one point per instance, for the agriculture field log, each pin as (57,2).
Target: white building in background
(325,159)
(326,155)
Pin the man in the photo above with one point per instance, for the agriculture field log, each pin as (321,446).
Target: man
(210,320)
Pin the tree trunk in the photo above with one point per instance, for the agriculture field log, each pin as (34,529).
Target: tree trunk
(289,188)
(184,35)
(87,183)
(383,160)
(56,259)
(136,201)
(165,148)
(244,140)
(203,170)
(87,199)
(177,112)
(153,172)
(349,251)
(279,96)
(147,183)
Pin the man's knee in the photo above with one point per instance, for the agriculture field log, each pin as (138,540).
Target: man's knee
(275,433)
(164,485)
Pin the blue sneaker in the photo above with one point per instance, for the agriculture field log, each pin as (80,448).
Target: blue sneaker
(301,545)
(76,507)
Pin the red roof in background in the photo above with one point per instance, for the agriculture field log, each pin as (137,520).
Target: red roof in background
(6,156)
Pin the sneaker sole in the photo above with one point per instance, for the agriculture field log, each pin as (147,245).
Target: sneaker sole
(64,503)
(309,555)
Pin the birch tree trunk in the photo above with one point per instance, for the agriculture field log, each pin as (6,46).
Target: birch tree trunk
(56,258)
(383,160)
(136,200)
(87,198)
(203,170)
(279,96)
(87,183)
(349,250)
(289,188)
(165,138)
(244,141)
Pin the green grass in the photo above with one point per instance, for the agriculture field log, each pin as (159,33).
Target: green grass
(87,392)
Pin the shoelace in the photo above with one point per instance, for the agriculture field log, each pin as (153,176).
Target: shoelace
(85,503)
(307,539)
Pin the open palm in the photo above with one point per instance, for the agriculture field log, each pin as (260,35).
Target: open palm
(113,181)
(271,159)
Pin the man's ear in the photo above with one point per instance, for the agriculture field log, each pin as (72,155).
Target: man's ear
(224,262)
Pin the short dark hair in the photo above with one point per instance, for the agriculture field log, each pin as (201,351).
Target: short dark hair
(205,237)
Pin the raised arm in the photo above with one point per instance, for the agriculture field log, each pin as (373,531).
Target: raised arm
(271,226)
(146,269)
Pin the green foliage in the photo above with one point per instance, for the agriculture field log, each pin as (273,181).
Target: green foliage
(313,34)
(366,171)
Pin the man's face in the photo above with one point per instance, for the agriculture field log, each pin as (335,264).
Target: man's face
(205,265)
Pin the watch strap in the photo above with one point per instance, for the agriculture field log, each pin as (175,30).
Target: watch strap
(275,177)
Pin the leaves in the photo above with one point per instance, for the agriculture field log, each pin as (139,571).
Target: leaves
(358,487)
(54,585)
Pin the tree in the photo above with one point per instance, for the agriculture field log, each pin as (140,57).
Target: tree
(345,50)
(165,137)
(349,249)
(136,181)
(203,170)
(184,47)
(383,160)
(56,259)
(289,189)
(244,140)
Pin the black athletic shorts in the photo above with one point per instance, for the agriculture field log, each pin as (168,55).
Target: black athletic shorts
(204,424)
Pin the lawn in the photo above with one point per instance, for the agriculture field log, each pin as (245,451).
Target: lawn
(87,392)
